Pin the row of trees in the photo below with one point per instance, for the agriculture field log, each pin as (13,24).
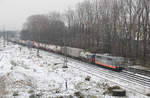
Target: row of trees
(118,27)
(44,28)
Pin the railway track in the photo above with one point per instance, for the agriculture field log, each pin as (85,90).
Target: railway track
(124,75)
(139,71)
(121,75)
(105,73)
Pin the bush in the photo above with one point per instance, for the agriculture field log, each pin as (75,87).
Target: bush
(93,96)
(13,63)
(32,96)
(78,94)
(70,96)
(57,90)
(60,97)
(148,94)
(112,88)
(15,94)
(31,91)
(88,78)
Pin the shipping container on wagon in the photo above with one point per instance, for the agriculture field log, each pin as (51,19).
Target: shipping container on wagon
(49,47)
(36,44)
(29,43)
(74,52)
(63,50)
(58,49)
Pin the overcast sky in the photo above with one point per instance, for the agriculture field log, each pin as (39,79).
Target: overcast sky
(13,13)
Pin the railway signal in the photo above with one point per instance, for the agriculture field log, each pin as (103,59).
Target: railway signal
(65,49)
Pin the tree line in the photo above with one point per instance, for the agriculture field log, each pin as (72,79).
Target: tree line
(118,27)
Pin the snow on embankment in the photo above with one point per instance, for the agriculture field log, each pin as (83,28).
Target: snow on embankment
(24,75)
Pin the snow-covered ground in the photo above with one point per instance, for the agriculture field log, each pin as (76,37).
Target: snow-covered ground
(23,74)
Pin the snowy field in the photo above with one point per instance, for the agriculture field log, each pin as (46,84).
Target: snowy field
(24,75)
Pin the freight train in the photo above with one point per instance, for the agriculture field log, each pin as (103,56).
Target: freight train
(103,60)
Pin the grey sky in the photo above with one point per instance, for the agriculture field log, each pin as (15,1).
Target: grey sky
(13,13)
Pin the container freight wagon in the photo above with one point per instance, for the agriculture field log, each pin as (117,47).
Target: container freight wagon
(72,52)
